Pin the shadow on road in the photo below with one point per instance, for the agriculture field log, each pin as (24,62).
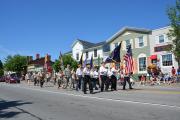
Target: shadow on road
(7,106)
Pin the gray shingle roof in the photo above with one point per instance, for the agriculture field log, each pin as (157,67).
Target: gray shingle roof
(86,44)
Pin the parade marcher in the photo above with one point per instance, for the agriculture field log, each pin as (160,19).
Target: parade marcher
(113,79)
(103,75)
(67,73)
(48,76)
(35,78)
(79,77)
(108,80)
(54,77)
(28,76)
(42,76)
(73,78)
(95,78)
(127,79)
(87,79)
(60,78)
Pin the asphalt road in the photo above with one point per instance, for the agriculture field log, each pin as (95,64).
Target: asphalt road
(22,102)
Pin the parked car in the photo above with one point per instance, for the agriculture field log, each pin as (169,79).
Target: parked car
(12,78)
(2,79)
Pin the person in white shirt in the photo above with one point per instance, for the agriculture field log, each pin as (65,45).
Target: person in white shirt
(113,78)
(79,78)
(95,78)
(103,75)
(87,79)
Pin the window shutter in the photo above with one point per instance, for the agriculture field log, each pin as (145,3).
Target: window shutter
(157,39)
(136,43)
(145,40)
(165,38)
(123,45)
(131,42)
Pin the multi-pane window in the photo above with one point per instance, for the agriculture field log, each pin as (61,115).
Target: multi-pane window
(142,64)
(167,60)
(86,54)
(127,43)
(77,56)
(141,42)
(161,38)
(95,52)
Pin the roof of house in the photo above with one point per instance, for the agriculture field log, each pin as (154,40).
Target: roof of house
(40,61)
(69,52)
(124,29)
(86,44)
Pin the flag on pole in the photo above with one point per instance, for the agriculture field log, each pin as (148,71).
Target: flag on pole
(128,60)
(85,62)
(81,60)
(61,61)
(115,55)
(91,62)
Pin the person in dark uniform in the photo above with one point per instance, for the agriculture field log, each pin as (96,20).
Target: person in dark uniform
(87,79)
(42,76)
(127,79)
(103,75)
(113,79)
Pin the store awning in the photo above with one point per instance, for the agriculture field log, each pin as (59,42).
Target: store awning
(152,57)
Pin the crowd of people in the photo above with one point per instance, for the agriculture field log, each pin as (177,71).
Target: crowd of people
(103,78)
(100,78)
(156,76)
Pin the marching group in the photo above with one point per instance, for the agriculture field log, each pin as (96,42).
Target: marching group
(94,78)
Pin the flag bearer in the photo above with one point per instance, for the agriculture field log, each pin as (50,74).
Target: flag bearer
(103,75)
(87,79)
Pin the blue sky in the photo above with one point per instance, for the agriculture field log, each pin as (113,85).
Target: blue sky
(28,27)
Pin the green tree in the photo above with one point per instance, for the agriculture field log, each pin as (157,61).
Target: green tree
(1,65)
(15,63)
(174,34)
(56,66)
(67,59)
(1,69)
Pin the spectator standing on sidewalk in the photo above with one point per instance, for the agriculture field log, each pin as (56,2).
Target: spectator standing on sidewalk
(173,74)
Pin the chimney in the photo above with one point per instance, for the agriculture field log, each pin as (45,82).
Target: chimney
(37,56)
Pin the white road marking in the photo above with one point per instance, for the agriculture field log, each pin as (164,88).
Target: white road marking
(98,98)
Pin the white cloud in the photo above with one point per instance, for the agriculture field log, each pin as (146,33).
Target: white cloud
(4,52)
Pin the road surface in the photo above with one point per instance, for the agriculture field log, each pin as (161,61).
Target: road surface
(22,102)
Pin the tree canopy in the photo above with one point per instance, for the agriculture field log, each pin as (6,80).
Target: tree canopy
(67,59)
(174,17)
(15,63)
(1,69)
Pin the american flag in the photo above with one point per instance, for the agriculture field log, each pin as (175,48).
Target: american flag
(128,60)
